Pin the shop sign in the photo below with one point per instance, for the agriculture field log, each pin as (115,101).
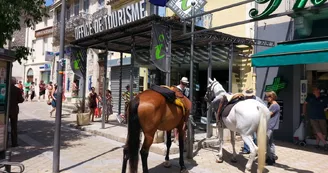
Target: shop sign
(274,4)
(43,32)
(183,7)
(160,51)
(125,15)
(47,67)
(276,86)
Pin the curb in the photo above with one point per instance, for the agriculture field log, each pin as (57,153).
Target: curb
(159,148)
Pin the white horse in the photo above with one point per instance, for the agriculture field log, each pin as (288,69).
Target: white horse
(245,118)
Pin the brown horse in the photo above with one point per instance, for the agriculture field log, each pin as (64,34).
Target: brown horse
(150,111)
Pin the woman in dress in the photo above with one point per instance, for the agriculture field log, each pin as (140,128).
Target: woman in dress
(92,103)
(109,108)
(53,102)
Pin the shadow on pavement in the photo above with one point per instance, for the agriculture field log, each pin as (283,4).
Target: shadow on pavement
(92,158)
(175,168)
(36,137)
(308,148)
(241,161)
(287,168)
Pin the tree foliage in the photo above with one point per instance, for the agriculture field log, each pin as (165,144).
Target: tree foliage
(11,13)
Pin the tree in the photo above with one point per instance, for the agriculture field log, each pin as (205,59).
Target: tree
(11,12)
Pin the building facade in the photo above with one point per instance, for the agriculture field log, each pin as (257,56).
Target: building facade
(38,67)
(300,77)
(243,76)
(83,11)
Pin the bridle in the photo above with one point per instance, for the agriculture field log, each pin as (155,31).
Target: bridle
(211,88)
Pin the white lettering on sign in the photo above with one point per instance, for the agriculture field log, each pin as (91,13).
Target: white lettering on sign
(130,13)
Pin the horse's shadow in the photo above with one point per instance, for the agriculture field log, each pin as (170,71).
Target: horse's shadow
(175,167)
(241,161)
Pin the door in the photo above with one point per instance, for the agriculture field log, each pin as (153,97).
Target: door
(115,83)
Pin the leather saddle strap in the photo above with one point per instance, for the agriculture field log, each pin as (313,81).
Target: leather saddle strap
(221,105)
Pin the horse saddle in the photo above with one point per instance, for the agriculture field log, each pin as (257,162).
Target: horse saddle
(227,103)
(172,95)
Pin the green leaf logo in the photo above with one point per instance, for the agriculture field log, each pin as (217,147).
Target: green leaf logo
(184,6)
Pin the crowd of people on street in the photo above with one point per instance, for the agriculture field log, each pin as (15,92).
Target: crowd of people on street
(28,89)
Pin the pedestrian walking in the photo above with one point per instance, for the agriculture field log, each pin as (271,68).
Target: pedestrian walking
(15,98)
(32,90)
(273,125)
(27,86)
(50,88)
(42,90)
(109,106)
(54,94)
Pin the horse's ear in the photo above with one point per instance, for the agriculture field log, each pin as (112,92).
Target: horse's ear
(210,80)
(215,79)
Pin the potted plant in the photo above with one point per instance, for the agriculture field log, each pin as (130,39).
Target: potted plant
(82,118)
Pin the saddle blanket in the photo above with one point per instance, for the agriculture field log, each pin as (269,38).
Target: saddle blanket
(228,102)
(169,95)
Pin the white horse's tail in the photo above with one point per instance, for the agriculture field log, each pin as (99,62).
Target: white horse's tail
(262,139)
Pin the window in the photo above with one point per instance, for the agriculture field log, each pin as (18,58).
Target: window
(33,46)
(68,12)
(86,5)
(44,45)
(101,3)
(58,15)
(199,20)
(141,83)
(45,19)
(76,7)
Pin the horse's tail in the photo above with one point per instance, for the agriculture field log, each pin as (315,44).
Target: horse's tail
(134,127)
(262,139)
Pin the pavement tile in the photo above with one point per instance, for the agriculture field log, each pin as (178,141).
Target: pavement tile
(85,153)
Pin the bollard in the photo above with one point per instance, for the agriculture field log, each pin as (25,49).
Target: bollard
(8,159)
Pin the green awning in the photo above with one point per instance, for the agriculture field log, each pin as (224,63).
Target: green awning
(292,53)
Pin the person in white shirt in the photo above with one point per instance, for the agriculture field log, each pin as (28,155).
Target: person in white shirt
(183,86)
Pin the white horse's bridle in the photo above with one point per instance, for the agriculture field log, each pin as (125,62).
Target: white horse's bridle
(211,88)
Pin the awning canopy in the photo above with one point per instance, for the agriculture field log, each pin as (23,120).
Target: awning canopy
(292,53)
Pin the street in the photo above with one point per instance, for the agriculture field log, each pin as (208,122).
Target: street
(82,152)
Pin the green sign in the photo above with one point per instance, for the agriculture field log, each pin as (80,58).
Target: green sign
(276,86)
(183,7)
(274,4)
(159,47)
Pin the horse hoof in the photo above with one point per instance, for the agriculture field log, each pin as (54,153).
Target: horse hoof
(167,164)
(219,160)
(184,171)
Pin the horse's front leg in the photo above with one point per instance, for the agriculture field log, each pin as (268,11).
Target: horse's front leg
(234,154)
(253,149)
(219,158)
(167,163)
(181,149)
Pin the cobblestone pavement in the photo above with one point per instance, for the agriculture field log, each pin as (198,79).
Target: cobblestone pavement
(82,152)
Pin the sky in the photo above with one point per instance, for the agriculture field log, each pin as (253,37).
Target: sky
(49,2)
